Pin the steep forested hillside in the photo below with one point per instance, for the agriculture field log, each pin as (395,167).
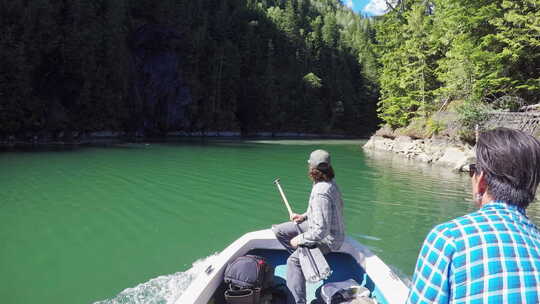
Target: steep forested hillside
(76,66)
(472,52)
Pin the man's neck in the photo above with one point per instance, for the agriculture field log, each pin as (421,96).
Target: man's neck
(486,199)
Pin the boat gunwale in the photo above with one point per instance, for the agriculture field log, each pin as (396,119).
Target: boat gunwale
(202,288)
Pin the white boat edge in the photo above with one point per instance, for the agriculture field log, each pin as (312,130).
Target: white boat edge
(202,288)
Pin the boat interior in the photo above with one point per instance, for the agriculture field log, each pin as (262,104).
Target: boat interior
(343,267)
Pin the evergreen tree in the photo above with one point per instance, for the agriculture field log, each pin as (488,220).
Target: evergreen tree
(77,66)
(432,52)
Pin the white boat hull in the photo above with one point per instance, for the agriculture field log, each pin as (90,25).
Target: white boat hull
(202,288)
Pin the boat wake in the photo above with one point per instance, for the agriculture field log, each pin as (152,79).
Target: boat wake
(165,289)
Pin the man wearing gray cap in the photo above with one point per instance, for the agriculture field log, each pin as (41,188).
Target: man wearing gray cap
(322,223)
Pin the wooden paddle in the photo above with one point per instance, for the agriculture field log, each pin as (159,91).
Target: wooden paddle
(312,261)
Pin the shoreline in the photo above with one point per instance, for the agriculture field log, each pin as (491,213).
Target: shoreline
(436,151)
(109,137)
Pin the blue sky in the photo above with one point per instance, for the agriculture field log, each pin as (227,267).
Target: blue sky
(367,7)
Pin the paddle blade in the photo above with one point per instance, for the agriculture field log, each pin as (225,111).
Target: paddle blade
(314,265)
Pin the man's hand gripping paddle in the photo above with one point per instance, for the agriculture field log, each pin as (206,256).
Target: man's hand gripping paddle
(312,261)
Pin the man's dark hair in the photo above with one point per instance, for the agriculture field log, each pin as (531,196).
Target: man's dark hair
(510,160)
(321,174)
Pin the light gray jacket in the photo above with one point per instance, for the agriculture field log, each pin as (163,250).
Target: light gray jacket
(324,216)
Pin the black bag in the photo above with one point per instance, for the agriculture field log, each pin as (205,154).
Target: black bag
(243,296)
(249,272)
(247,277)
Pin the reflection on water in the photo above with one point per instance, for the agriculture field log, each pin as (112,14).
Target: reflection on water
(395,201)
(448,184)
(533,212)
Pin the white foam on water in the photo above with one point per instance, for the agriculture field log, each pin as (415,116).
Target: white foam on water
(165,289)
(367,237)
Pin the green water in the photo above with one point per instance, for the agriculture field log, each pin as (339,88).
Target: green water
(81,225)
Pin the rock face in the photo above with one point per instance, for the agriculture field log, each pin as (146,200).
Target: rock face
(436,151)
(160,94)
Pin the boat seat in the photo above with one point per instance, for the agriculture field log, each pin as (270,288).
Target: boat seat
(343,267)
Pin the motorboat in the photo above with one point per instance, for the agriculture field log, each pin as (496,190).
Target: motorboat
(352,261)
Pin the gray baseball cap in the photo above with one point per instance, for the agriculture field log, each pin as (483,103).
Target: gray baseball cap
(318,158)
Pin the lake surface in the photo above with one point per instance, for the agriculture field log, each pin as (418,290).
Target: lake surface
(133,223)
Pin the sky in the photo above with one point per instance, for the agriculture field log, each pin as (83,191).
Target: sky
(367,7)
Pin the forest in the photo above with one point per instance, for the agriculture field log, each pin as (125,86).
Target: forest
(150,67)
(467,56)
(142,67)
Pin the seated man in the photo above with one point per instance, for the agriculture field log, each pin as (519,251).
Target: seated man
(322,224)
(491,255)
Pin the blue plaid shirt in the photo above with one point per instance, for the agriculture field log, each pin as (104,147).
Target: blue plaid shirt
(489,256)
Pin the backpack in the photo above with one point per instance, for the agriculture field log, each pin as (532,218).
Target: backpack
(247,277)
(249,272)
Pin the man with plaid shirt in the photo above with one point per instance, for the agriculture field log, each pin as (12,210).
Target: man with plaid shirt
(492,255)
(321,225)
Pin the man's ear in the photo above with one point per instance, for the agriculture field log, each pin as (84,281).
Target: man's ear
(482,183)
